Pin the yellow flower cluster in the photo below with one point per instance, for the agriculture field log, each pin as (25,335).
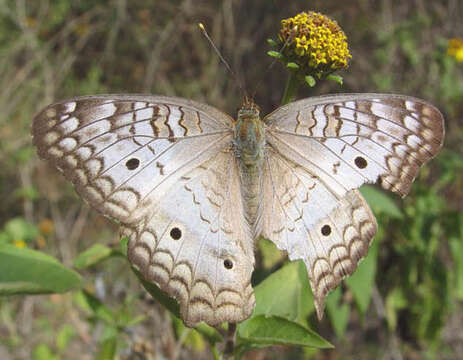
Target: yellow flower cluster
(455,49)
(19,243)
(315,40)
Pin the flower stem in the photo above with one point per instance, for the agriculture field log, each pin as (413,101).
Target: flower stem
(292,85)
(215,353)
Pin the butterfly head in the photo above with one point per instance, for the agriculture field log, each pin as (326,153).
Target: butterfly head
(249,109)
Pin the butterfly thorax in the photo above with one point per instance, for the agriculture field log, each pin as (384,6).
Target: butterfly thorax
(249,145)
(249,139)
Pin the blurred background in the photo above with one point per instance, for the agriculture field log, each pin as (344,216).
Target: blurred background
(56,49)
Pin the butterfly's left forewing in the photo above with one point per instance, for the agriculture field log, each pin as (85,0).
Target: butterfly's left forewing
(122,152)
(319,151)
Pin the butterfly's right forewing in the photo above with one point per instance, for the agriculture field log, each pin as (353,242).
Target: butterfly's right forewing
(354,139)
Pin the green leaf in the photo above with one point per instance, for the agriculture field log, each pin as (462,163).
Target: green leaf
(275,54)
(292,65)
(335,78)
(272,42)
(94,255)
(456,246)
(211,334)
(275,330)
(285,293)
(124,241)
(362,280)
(99,310)
(25,271)
(18,229)
(380,202)
(310,80)
(107,349)
(109,332)
(337,312)
(135,320)
(395,301)
(271,255)
(191,337)
(64,337)
(43,352)
(27,192)
(25,154)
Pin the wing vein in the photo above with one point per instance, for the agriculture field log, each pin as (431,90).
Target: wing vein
(313,164)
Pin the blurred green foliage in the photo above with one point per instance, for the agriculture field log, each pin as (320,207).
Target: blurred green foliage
(26,271)
(19,231)
(405,300)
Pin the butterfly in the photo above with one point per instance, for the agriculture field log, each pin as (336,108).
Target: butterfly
(193,188)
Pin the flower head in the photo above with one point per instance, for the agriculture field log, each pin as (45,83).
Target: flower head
(455,49)
(315,43)
(19,243)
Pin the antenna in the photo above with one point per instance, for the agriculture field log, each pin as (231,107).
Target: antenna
(217,51)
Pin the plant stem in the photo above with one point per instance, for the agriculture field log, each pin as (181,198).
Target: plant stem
(292,85)
(215,353)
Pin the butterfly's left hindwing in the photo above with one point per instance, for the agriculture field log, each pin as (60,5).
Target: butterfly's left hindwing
(196,245)
(319,151)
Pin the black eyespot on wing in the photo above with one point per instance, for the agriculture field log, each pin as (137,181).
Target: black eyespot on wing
(360,162)
(326,230)
(132,163)
(228,264)
(175,233)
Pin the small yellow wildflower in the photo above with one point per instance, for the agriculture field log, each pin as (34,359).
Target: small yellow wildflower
(301,46)
(455,49)
(315,43)
(19,243)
